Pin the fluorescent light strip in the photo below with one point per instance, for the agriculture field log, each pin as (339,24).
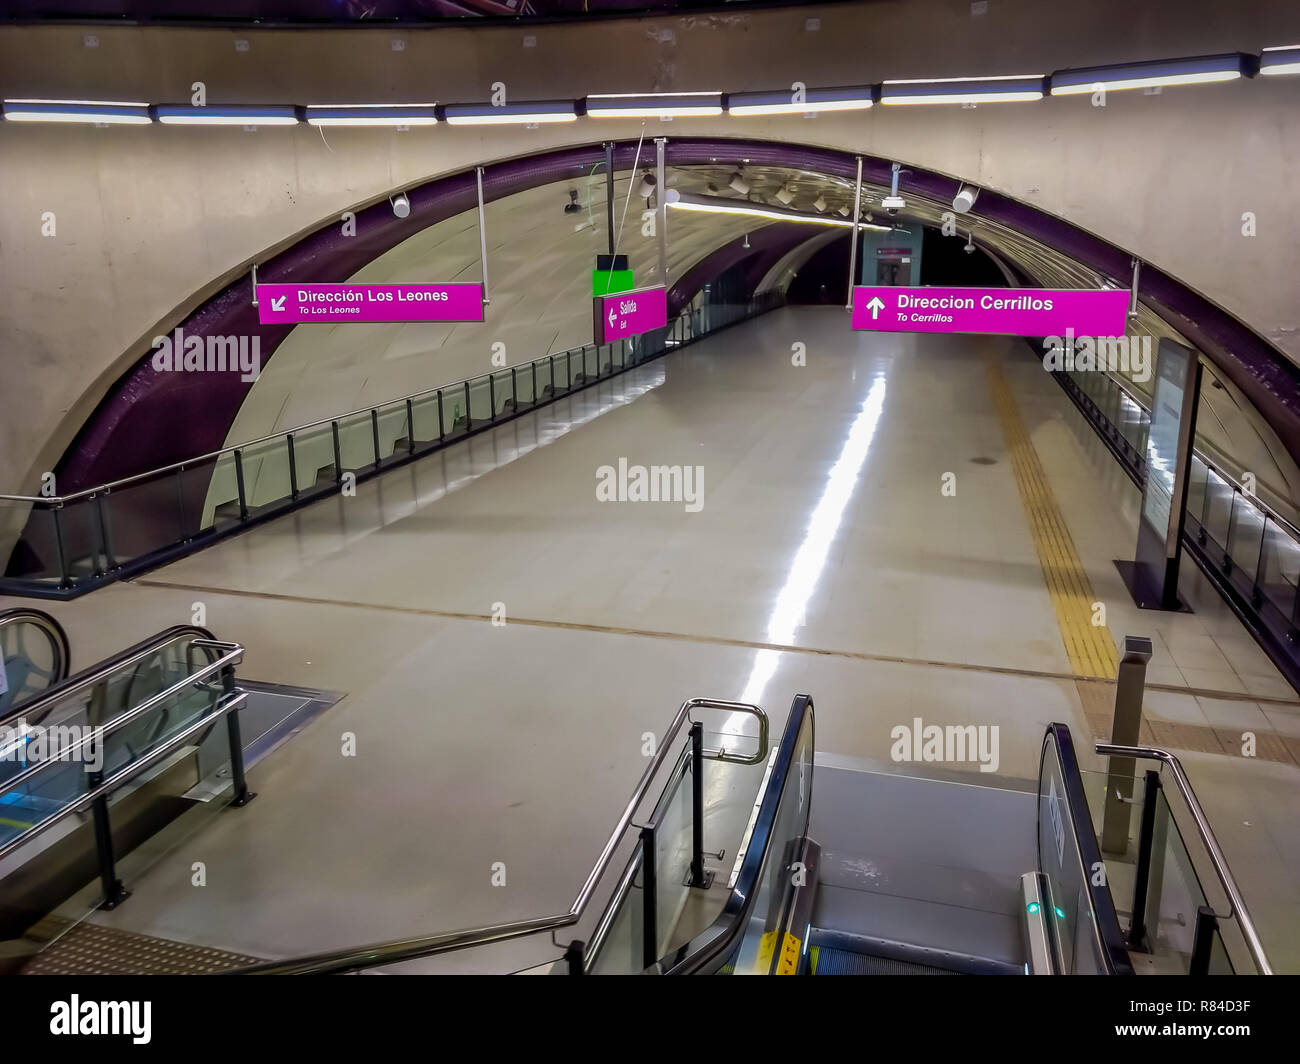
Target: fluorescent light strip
(372,114)
(759,212)
(654,105)
(531,113)
(779,102)
(1200,70)
(170,115)
(1284,60)
(81,111)
(1013,88)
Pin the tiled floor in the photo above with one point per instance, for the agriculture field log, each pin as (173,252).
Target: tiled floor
(825,559)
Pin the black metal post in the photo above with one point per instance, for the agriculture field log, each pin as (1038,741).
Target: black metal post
(65,577)
(110,562)
(1137,929)
(242,794)
(609,192)
(374,433)
(534,369)
(239,478)
(442,431)
(469,420)
(492,396)
(114,892)
(649,898)
(338,453)
(573,957)
(293,468)
(410,427)
(1203,945)
(697,806)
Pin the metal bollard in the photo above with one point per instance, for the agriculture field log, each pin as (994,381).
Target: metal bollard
(1124,732)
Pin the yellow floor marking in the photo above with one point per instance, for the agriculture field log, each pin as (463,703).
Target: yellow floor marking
(1090,648)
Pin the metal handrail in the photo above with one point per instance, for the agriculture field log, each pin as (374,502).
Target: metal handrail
(233,655)
(52,628)
(107,488)
(226,705)
(337,962)
(105,669)
(1237,904)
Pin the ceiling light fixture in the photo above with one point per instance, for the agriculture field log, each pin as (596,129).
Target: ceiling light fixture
(85,111)
(1014,88)
(178,115)
(1194,71)
(782,101)
(372,114)
(722,206)
(537,112)
(1284,60)
(654,105)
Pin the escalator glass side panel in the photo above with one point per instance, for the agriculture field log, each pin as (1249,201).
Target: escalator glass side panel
(1086,929)
(743,938)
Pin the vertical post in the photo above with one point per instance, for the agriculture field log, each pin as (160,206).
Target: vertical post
(661,209)
(482,238)
(1133,290)
(1203,944)
(649,897)
(114,892)
(853,248)
(1137,928)
(65,577)
(239,477)
(410,427)
(469,420)
(242,794)
(181,536)
(492,396)
(1124,732)
(374,433)
(293,467)
(110,562)
(533,367)
(609,192)
(338,453)
(514,390)
(697,806)
(442,432)
(573,957)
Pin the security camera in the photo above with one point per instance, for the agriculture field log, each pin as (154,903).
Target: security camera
(969,249)
(893,204)
(401,205)
(964,200)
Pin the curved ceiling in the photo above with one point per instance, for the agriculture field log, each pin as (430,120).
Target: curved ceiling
(540,260)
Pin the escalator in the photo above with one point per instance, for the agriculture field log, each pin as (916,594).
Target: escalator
(34,655)
(878,869)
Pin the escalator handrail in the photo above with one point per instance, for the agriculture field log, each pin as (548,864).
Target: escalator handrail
(104,670)
(52,628)
(1110,939)
(1238,911)
(358,958)
(717,941)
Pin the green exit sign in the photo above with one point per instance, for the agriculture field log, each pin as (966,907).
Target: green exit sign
(607,282)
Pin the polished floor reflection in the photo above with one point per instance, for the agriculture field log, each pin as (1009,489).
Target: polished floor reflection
(827,557)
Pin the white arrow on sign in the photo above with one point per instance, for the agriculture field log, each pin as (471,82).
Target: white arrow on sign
(612,318)
(278,304)
(875,306)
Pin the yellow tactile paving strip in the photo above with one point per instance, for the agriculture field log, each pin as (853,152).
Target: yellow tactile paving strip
(1090,648)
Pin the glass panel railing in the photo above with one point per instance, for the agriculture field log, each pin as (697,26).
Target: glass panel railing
(63,544)
(1166,871)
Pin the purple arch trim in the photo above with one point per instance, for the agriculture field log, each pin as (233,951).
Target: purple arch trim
(150,418)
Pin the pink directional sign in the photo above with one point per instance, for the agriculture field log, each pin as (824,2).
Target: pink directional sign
(630,313)
(1008,311)
(291,304)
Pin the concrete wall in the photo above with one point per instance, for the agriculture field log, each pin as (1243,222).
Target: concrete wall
(151,220)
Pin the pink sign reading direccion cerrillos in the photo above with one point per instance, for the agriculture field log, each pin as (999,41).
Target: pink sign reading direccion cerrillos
(291,304)
(1007,311)
(627,314)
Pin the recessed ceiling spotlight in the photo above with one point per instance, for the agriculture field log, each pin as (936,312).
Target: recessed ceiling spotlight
(819,204)
(737,183)
(785,194)
(401,205)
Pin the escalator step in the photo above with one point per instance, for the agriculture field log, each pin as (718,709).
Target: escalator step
(829,961)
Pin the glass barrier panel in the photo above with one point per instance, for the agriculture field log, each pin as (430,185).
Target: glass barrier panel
(424,414)
(193,495)
(356,441)
(34,547)
(266,473)
(480,400)
(221,503)
(1196,484)
(622,951)
(1245,536)
(523,383)
(313,456)
(453,412)
(673,849)
(394,433)
(1218,505)
(504,391)
(142,516)
(1279,570)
